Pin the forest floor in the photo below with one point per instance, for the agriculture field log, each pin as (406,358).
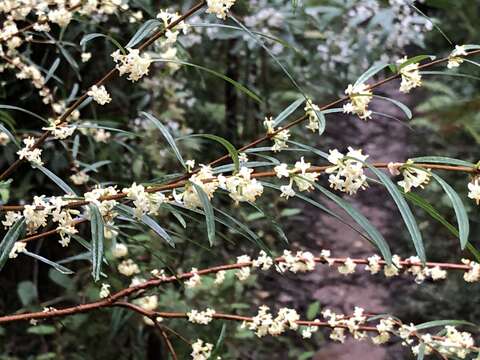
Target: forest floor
(384,140)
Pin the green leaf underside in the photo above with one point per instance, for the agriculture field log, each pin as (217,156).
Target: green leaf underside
(97,230)
(12,235)
(405,211)
(225,143)
(208,209)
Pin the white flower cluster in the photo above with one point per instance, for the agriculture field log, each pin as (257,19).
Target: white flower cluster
(412,176)
(148,303)
(347,174)
(203,179)
(98,134)
(194,281)
(201,350)
(265,324)
(30,154)
(241,187)
(455,58)
(104,291)
(166,45)
(99,94)
(58,130)
(60,16)
(18,247)
(473,275)
(410,74)
(474,190)
(133,64)
(302,261)
(280,138)
(128,268)
(219,7)
(200,317)
(36,216)
(80,178)
(360,96)
(300,175)
(352,323)
(144,202)
(243,273)
(311,111)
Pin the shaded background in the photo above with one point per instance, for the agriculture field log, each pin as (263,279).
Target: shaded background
(325,45)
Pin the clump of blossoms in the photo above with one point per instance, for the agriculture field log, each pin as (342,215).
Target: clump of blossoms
(219,7)
(104,291)
(412,176)
(347,174)
(58,130)
(243,273)
(360,96)
(133,64)
(144,202)
(128,268)
(300,175)
(352,323)
(29,153)
(201,350)
(80,178)
(194,281)
(18,247)
(410,74)
(201,317)
(474,190)
(241,187)
(99,94)
(203,179)
(265,324)
(456,57)
(302,261)
(311,111)
(473,275)
(166,45)
(280,138)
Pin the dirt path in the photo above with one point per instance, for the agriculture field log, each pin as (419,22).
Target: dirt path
(384,140)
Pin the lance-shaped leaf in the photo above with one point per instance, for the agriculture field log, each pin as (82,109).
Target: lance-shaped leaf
(97,230)
(208,209)
(145,30)
(56,266)
(405,211)
(147,220)
(288,111)
(9,240)
(374,69)
(167,135)
(460,212)
(361,220)
(442,160)
(435,323)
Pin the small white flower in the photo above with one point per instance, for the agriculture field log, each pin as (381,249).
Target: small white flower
(219,7)
(133,64)
(29,154)
(287,191)
(243,273)
(99,94)
(281,170)
(348,267)
(201,350)
(86,56)
(119,250)
(360,96)
(455,58)
(194,280)
(18,247)
(105,291)
(80,178)
(4,139)
(148,303)
(311,111)
(413,177)
(201,317)
(474,190)
(410,74)
(128,268)
(220,277)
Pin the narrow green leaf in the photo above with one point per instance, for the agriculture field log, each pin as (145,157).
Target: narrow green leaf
(288,111)
(60,183)
(421,351)
(10,107)
(149,221)
(405,211)
(435,323)
(97,230)
(454,74)
(9,240)
(374,69)
(430,210)
(52,69)
(226,144)
(460,212)
(442,160)
(415,59)
(236,84)
(361,220)
(56,266)
(401,106)
(144,31)
(92,36)
(167,136)
(9,134)
(209,216)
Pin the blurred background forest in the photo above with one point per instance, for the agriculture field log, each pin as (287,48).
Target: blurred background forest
(325,44)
